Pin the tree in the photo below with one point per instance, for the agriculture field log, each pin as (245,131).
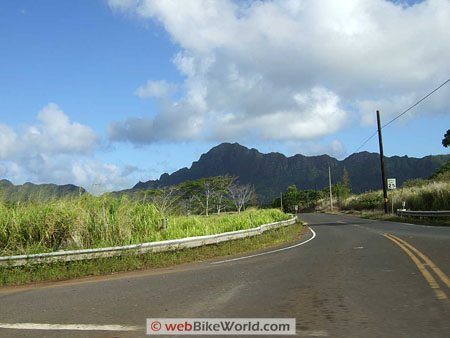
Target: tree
(308,198)
(341,191)
(346,180)
(219,197)
(164,200)
(208,189)
(206,193)
(291,198)
(446,139)
(240,194)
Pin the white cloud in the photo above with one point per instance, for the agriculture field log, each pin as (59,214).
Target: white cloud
(248,65)
(315,114)
(7,141)
(55,134)
(94,176)
(335,148)
(54,151)
(158,89)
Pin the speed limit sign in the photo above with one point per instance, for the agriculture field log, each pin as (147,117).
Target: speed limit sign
(391,183)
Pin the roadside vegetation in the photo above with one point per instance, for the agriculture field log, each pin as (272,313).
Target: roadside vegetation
(101,222)
(417,194)
(380,215)
(311,200)
(195,208)
(10,275)
(92,222)
(430,194)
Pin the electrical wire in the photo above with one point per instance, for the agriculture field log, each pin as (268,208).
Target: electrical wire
(404,112)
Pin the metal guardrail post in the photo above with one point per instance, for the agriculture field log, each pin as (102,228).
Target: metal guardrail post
(412,213)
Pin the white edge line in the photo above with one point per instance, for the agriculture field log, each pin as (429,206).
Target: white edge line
(267,252)
(71,327)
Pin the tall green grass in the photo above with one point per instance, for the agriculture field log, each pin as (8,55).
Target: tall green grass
(427,195)
(92,222)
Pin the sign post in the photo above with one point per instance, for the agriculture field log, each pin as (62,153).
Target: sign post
(392,185)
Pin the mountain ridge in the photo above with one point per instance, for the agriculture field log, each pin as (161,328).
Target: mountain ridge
(273,172)
(37,192)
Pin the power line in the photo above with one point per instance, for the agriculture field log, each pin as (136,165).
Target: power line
(365,142)
(415,104)
(404,112)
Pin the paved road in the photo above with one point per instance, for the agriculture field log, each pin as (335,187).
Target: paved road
(349,281)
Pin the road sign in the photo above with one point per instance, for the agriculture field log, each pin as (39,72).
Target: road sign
(391,183)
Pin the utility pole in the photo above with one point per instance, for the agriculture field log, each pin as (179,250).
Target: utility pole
(383,176)
(331,194)
(281,201)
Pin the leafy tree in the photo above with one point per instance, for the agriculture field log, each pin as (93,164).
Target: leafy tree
(346,180)
(276,202)
(291,198)
(203,194)
(446,139)
(309,199)
(442,174)
(340,192)
(304,199)
(220,197)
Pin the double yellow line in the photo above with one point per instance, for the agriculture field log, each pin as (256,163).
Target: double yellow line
(422,262)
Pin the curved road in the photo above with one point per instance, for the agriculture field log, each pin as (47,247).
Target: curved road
(349,281)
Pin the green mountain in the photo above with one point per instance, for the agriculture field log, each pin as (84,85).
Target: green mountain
(272,173)
(37,192)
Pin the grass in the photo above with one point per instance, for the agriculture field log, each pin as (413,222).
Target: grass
(101,266)
(418,194)
(378,215)
(94,222)
(428,195)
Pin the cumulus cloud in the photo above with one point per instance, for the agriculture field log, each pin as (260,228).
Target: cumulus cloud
(54,150)
(289,70)
(55,134)
(95,176)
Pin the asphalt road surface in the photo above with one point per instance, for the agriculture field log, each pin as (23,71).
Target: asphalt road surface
(351,280)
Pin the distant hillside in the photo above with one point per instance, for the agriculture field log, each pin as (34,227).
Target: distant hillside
(37,192)
(274,172)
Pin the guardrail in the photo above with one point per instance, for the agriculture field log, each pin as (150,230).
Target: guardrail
(410,213)
(160,246)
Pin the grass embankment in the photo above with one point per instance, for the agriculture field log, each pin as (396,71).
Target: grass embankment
(380,215)
(94,222)
(421,195)
(428,196)
(129,262)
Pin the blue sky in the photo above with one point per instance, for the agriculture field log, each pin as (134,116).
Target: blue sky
(106,93)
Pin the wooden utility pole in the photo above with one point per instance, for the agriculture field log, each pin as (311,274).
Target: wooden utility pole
(281,201)
(331,193)
(383,176)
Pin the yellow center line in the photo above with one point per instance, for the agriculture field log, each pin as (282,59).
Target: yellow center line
(426,274)
(441,274)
